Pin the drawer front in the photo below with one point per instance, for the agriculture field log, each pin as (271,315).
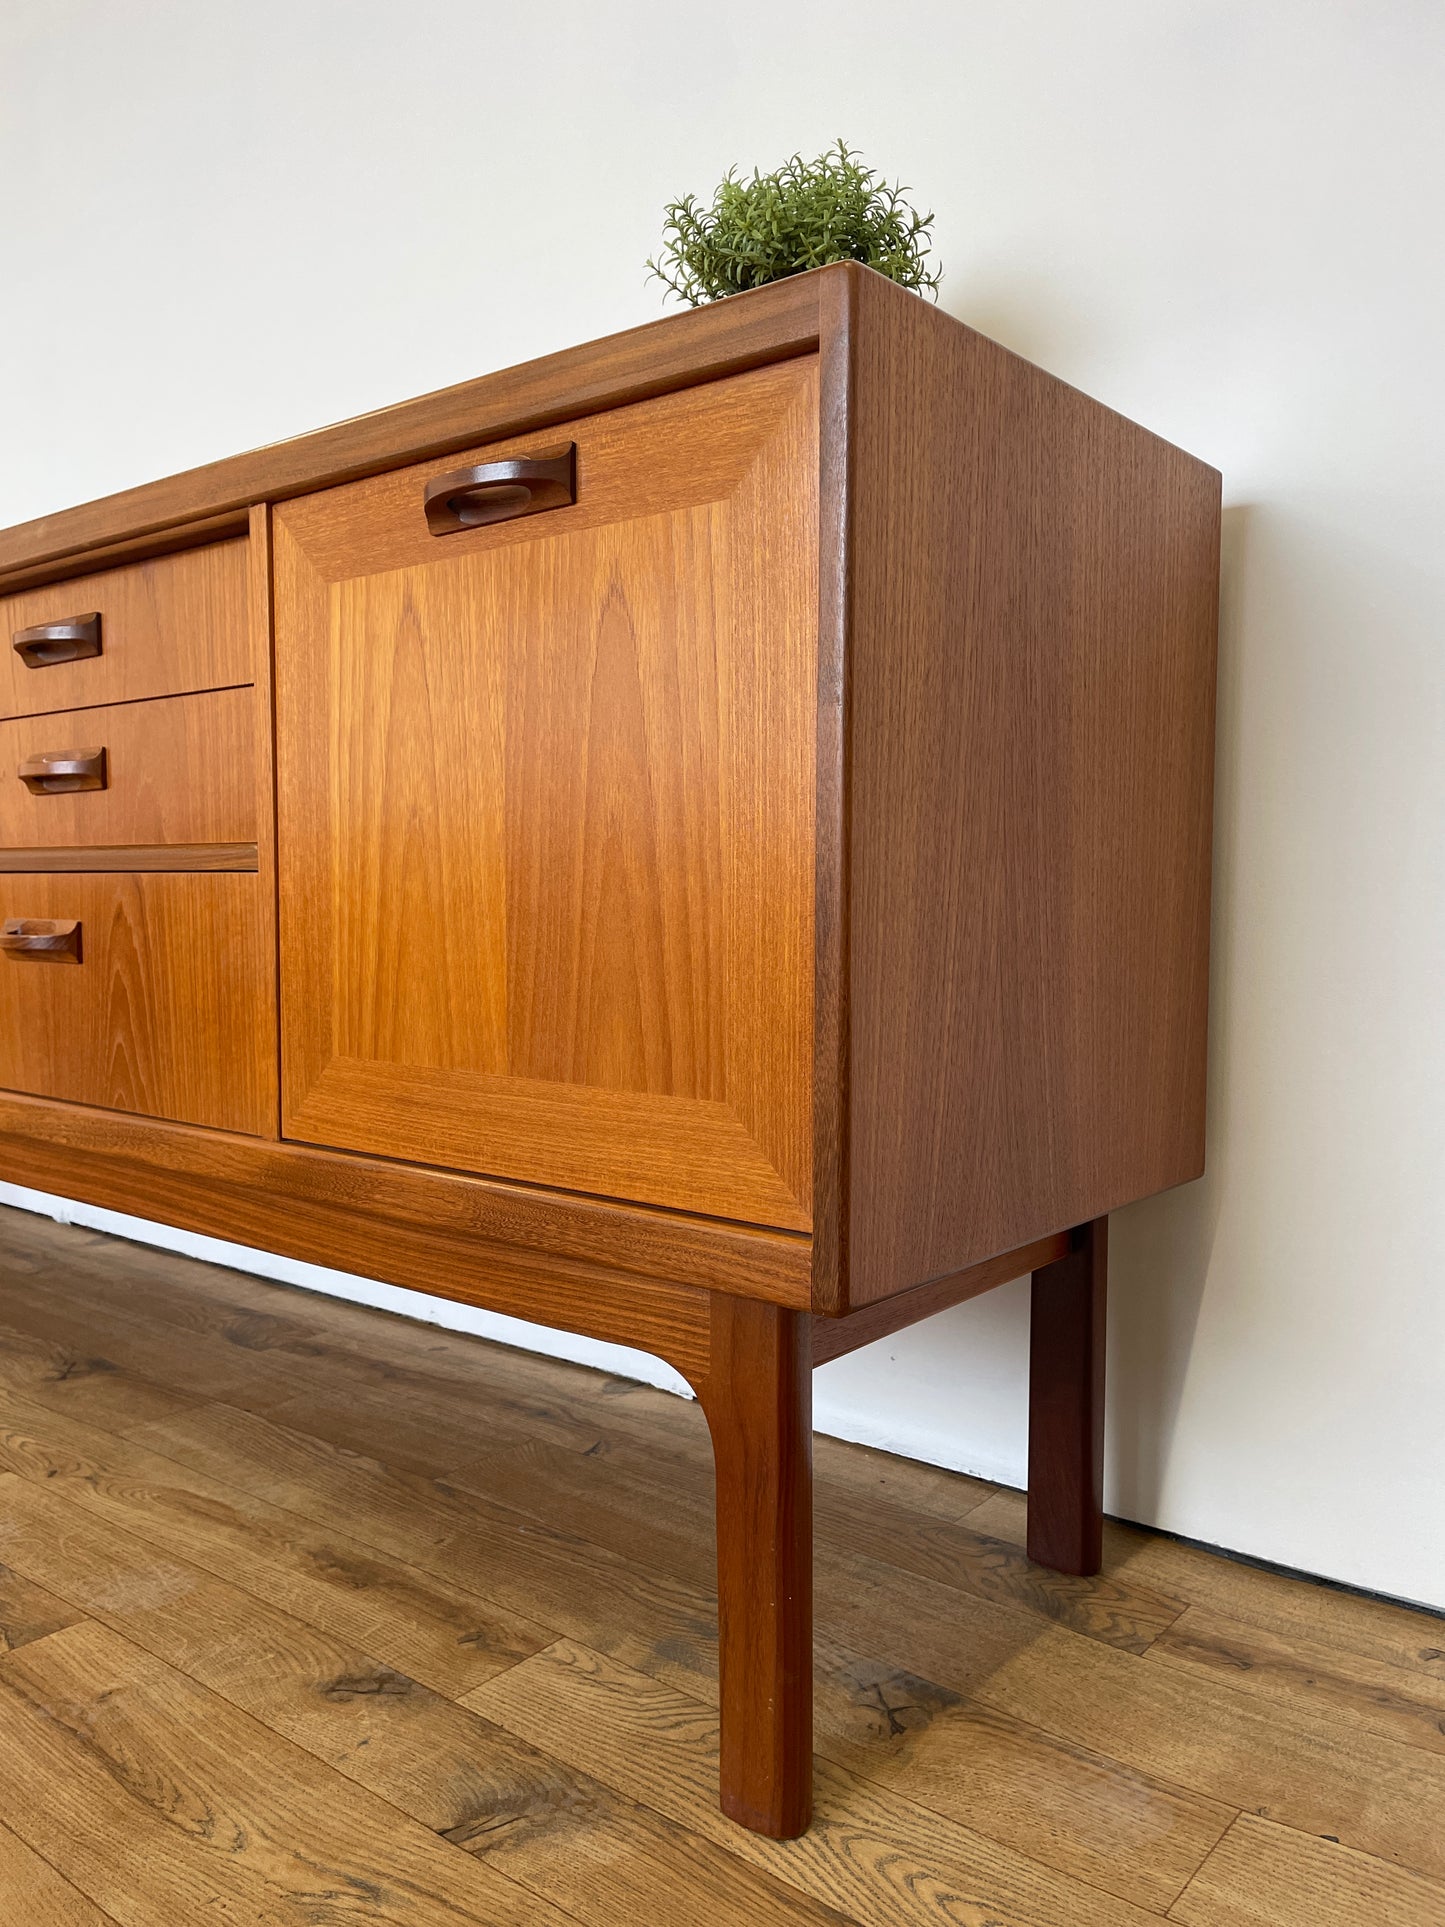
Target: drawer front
(167,1009)
(174,772)
(546,794)
(167,627)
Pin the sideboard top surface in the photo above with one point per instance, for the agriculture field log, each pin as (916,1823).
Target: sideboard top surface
(677,351)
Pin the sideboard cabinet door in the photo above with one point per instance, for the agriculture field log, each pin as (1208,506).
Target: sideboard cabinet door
(546,799)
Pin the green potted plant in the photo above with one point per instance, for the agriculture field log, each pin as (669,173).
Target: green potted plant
(803,215)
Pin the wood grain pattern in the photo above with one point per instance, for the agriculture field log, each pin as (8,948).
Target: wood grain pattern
(1293,1610)
(545,1576)
(1394,1701)
(168,626)
(1091,1819)
(449,1636)
(82,1383)
(130,857)
(170,1011)
(28,1611)
(663,1628)
(468,1236)
(98,1740)
(758,1397)
(1031,639)
(872,1853)
(1261,1875)
(180,771)
(566,1837)
(767,325)
(1374,1794)
(194,533)
(977,1765)
(36,1893)
(261,760)
(619,1604)
(547,889)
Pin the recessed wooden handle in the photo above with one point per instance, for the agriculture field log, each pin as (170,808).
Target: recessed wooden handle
(470,498)
(40,940)
(52,642)
(55,772)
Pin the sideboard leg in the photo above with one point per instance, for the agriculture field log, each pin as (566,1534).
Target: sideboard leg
(1066,1405)
(758,1397)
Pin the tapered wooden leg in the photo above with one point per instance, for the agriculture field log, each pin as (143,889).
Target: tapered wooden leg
(1066,1405)
(758,1397)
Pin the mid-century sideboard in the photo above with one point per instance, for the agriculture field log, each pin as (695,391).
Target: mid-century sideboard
(702,839)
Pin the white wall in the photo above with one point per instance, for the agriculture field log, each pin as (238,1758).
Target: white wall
(222,225)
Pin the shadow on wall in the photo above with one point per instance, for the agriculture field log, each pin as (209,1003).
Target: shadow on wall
(1159,1251)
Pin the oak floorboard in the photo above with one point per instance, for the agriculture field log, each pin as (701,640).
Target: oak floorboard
(1291,1607)
(83,1383)
(659,1515)
(879,1857)
(543,1573)
(658,1616)
(593,1851)
(100,1745)
(1318,1775)
(28,1611)
(434,1631)
(1263,1875)
(195,1366)
(370,1500)
(35,1895)
(1092,1817)
(1392,1701)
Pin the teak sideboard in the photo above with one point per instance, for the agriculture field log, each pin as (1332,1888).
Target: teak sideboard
(702,839)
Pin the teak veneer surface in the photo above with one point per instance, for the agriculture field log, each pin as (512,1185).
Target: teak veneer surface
(305,1202)
(62,860)
(169,1013)
(1031,652)
(168,626)
(546,882)
(178,771)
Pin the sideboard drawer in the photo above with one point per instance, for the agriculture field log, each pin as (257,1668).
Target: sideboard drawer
(165,627)
(181,770)
(149,994)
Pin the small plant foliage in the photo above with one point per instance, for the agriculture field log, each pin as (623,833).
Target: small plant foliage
(802,216)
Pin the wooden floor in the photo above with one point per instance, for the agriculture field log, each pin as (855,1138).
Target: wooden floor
(310,1615)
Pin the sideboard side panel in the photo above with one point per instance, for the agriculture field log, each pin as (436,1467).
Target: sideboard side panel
(1032,659)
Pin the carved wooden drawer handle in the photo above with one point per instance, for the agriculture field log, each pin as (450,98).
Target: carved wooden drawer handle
(40,940)
(51,642)
(470,498)
(55,772)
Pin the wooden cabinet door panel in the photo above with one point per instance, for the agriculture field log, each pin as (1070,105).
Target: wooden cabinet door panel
(169,1011)
(546,813)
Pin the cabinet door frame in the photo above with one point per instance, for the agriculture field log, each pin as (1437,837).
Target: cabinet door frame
(733,463)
